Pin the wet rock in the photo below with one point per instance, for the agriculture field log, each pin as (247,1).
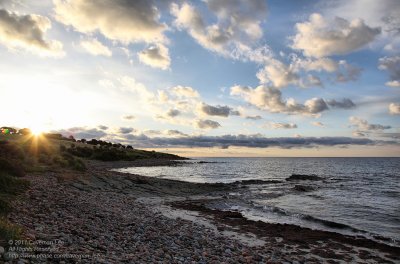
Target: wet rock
(303,177)
(303,188)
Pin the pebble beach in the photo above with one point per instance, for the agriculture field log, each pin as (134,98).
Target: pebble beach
(102,216)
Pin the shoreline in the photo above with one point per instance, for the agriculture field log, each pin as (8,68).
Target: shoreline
(95,211)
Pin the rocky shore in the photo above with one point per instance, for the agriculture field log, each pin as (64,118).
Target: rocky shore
(102,216)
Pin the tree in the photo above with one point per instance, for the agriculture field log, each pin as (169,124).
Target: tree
(8,130)
(25,131)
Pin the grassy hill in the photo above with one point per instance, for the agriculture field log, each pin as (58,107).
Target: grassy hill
(20,154)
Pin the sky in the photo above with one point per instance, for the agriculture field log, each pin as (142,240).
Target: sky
(207,78)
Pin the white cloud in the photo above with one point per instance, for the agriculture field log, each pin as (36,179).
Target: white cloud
(392,65)
(364,126)
(270,99)
(131,85)
(156,56)
(394,109)
(319,37)
(95,47)
(120,20)
(274,125)
(278,74)
(237,28)
(184,91)
(26,32)
(317,124)
(297,72)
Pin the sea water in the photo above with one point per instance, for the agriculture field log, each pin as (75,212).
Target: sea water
(357,196)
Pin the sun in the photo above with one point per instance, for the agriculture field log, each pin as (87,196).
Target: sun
(37,131)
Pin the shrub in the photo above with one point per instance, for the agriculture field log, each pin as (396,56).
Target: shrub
(9,151)
(11,167)
(9,231)
(5,207)
(11,185)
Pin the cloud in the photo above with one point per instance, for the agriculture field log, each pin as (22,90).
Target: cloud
(125,130)
(156,56)
(383,13)
(270,99)
(257,117)
(394,109)
(392,65)
(207,124)
(297,71)
(364,126)
(219,110)
(184,91)
(176,133)
(95,47)
(131,85)
(173,113)
(278,74)
(120,20)
(316,64)
(128,117)
(358,134)
(318,124)
(274,125)
(346,103)
(102,127)
(253,141)
(347,72)
(82,132)
(313,80)
(170,115)
(238,25)
(319,37)
(27,32)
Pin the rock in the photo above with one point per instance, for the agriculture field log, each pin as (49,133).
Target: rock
(303,188)
(303,177)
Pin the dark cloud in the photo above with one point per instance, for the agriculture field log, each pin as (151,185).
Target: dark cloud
(392,65)
(207,124)
(103,127)
(176,133)
(219,110)
(348,73)
(345,103)
(173,113)
(364,126)
(128,117)
(27,32)
(252,141)
(82,132)
(257,117)
(156,56)
(125,130)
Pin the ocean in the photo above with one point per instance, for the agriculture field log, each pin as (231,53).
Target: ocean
(354,196)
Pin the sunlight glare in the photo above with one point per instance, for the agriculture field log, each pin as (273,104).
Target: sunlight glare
(36,131)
